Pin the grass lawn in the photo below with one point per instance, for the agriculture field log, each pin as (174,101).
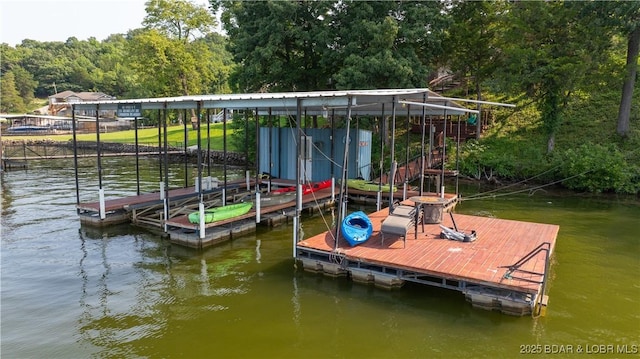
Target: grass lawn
(175,136)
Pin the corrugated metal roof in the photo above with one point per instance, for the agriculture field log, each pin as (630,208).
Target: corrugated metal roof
(363,102)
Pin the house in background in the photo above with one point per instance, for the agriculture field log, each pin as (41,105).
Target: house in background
(60,103)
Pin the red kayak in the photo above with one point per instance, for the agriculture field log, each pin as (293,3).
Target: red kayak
(306,188)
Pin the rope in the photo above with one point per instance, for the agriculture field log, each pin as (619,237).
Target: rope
(304,174)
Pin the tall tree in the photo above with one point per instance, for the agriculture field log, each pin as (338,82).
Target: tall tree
(10,100)
(214,63)
(628,16)
(161,65)
(310,45)
(24,81)
(179,19)
(549,48)
(278,44)
(385,44)
(25,84)
(114,76)
(612,19)
(165,51)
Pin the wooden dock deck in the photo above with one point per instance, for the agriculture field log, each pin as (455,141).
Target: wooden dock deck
(480,269)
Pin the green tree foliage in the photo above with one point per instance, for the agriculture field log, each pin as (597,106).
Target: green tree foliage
(23,79)
(114,76)
(162,65)
(625,16)
(278,45)
(215,63)
(597,168)
(310,45)
(549,49)
(386,44)
(178,19)
(472,48)
(25,84)
(167,60)
(10,100)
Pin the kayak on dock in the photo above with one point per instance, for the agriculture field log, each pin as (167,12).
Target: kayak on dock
(356,228)
(369,186)
(306,188)
(221,213)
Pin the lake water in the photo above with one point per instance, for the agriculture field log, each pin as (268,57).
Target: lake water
(71,291)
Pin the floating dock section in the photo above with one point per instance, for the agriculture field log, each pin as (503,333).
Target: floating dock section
(147,210)
(183,232)
(504,269)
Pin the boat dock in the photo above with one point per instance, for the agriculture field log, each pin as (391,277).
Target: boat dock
(147,210)
(505,269)
(183,232)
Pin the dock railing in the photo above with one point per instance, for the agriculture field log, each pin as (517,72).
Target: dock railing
(516,268)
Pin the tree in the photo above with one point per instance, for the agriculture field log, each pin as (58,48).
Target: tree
(311,45)
(628,15)
(165,53)
(385,44)
(472,46)
(25,84)
(279,45)
(633,46)
(216,66)
(113,75)
(549,47)
(178,19)
(10,100)
(158,63)
(615,18)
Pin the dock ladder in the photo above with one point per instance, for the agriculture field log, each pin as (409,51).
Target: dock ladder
(515,268)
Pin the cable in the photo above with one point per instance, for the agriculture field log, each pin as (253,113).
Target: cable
(513,184)
(524,190)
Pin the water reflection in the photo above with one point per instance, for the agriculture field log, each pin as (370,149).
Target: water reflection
(125,292)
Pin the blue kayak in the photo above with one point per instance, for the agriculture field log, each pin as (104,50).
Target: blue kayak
(356,228)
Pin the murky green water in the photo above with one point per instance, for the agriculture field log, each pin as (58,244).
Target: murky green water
(70,291)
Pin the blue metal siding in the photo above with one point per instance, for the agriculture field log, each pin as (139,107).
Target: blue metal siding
(265,163)
(284,153)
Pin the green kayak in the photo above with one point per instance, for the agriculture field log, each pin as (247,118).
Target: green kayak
(221,213)
(369,186)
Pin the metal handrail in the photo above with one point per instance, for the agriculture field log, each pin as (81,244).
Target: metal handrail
(543,247)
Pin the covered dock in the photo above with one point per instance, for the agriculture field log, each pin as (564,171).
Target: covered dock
(505,269)
(339,107)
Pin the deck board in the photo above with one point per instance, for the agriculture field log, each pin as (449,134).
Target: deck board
(500,242)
